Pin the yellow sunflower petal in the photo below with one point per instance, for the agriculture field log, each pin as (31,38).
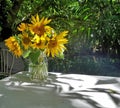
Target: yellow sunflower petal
(33,20)
(37,18)
(22,27)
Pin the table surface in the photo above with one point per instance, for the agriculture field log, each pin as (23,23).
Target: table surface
(61,91)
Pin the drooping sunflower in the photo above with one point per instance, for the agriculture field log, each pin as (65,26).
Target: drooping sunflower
(26,41)
(55,44)
(13,46)
(38,26)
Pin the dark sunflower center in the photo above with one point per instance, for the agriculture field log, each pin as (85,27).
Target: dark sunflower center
(26,40)
(39,30)
(53,43)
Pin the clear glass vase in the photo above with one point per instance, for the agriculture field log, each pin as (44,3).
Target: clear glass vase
(39,71)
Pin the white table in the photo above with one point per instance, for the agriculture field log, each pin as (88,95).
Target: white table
(62,91)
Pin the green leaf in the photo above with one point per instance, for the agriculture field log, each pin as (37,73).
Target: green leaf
(87,16)
(26,53)
(60,55)
(34,56)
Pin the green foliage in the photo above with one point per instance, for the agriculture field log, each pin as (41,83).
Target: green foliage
(107,27)
(34,56)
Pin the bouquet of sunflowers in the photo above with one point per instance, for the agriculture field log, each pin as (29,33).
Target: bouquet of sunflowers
(36,37)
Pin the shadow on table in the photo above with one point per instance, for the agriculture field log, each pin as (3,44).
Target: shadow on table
(66,90)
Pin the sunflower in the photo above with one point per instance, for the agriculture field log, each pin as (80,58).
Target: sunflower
(55,44)
(39,26)
(13,46)
(39,42)
(22,27)
(26,42)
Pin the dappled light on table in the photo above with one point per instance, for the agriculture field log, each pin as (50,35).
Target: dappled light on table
(61,90)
